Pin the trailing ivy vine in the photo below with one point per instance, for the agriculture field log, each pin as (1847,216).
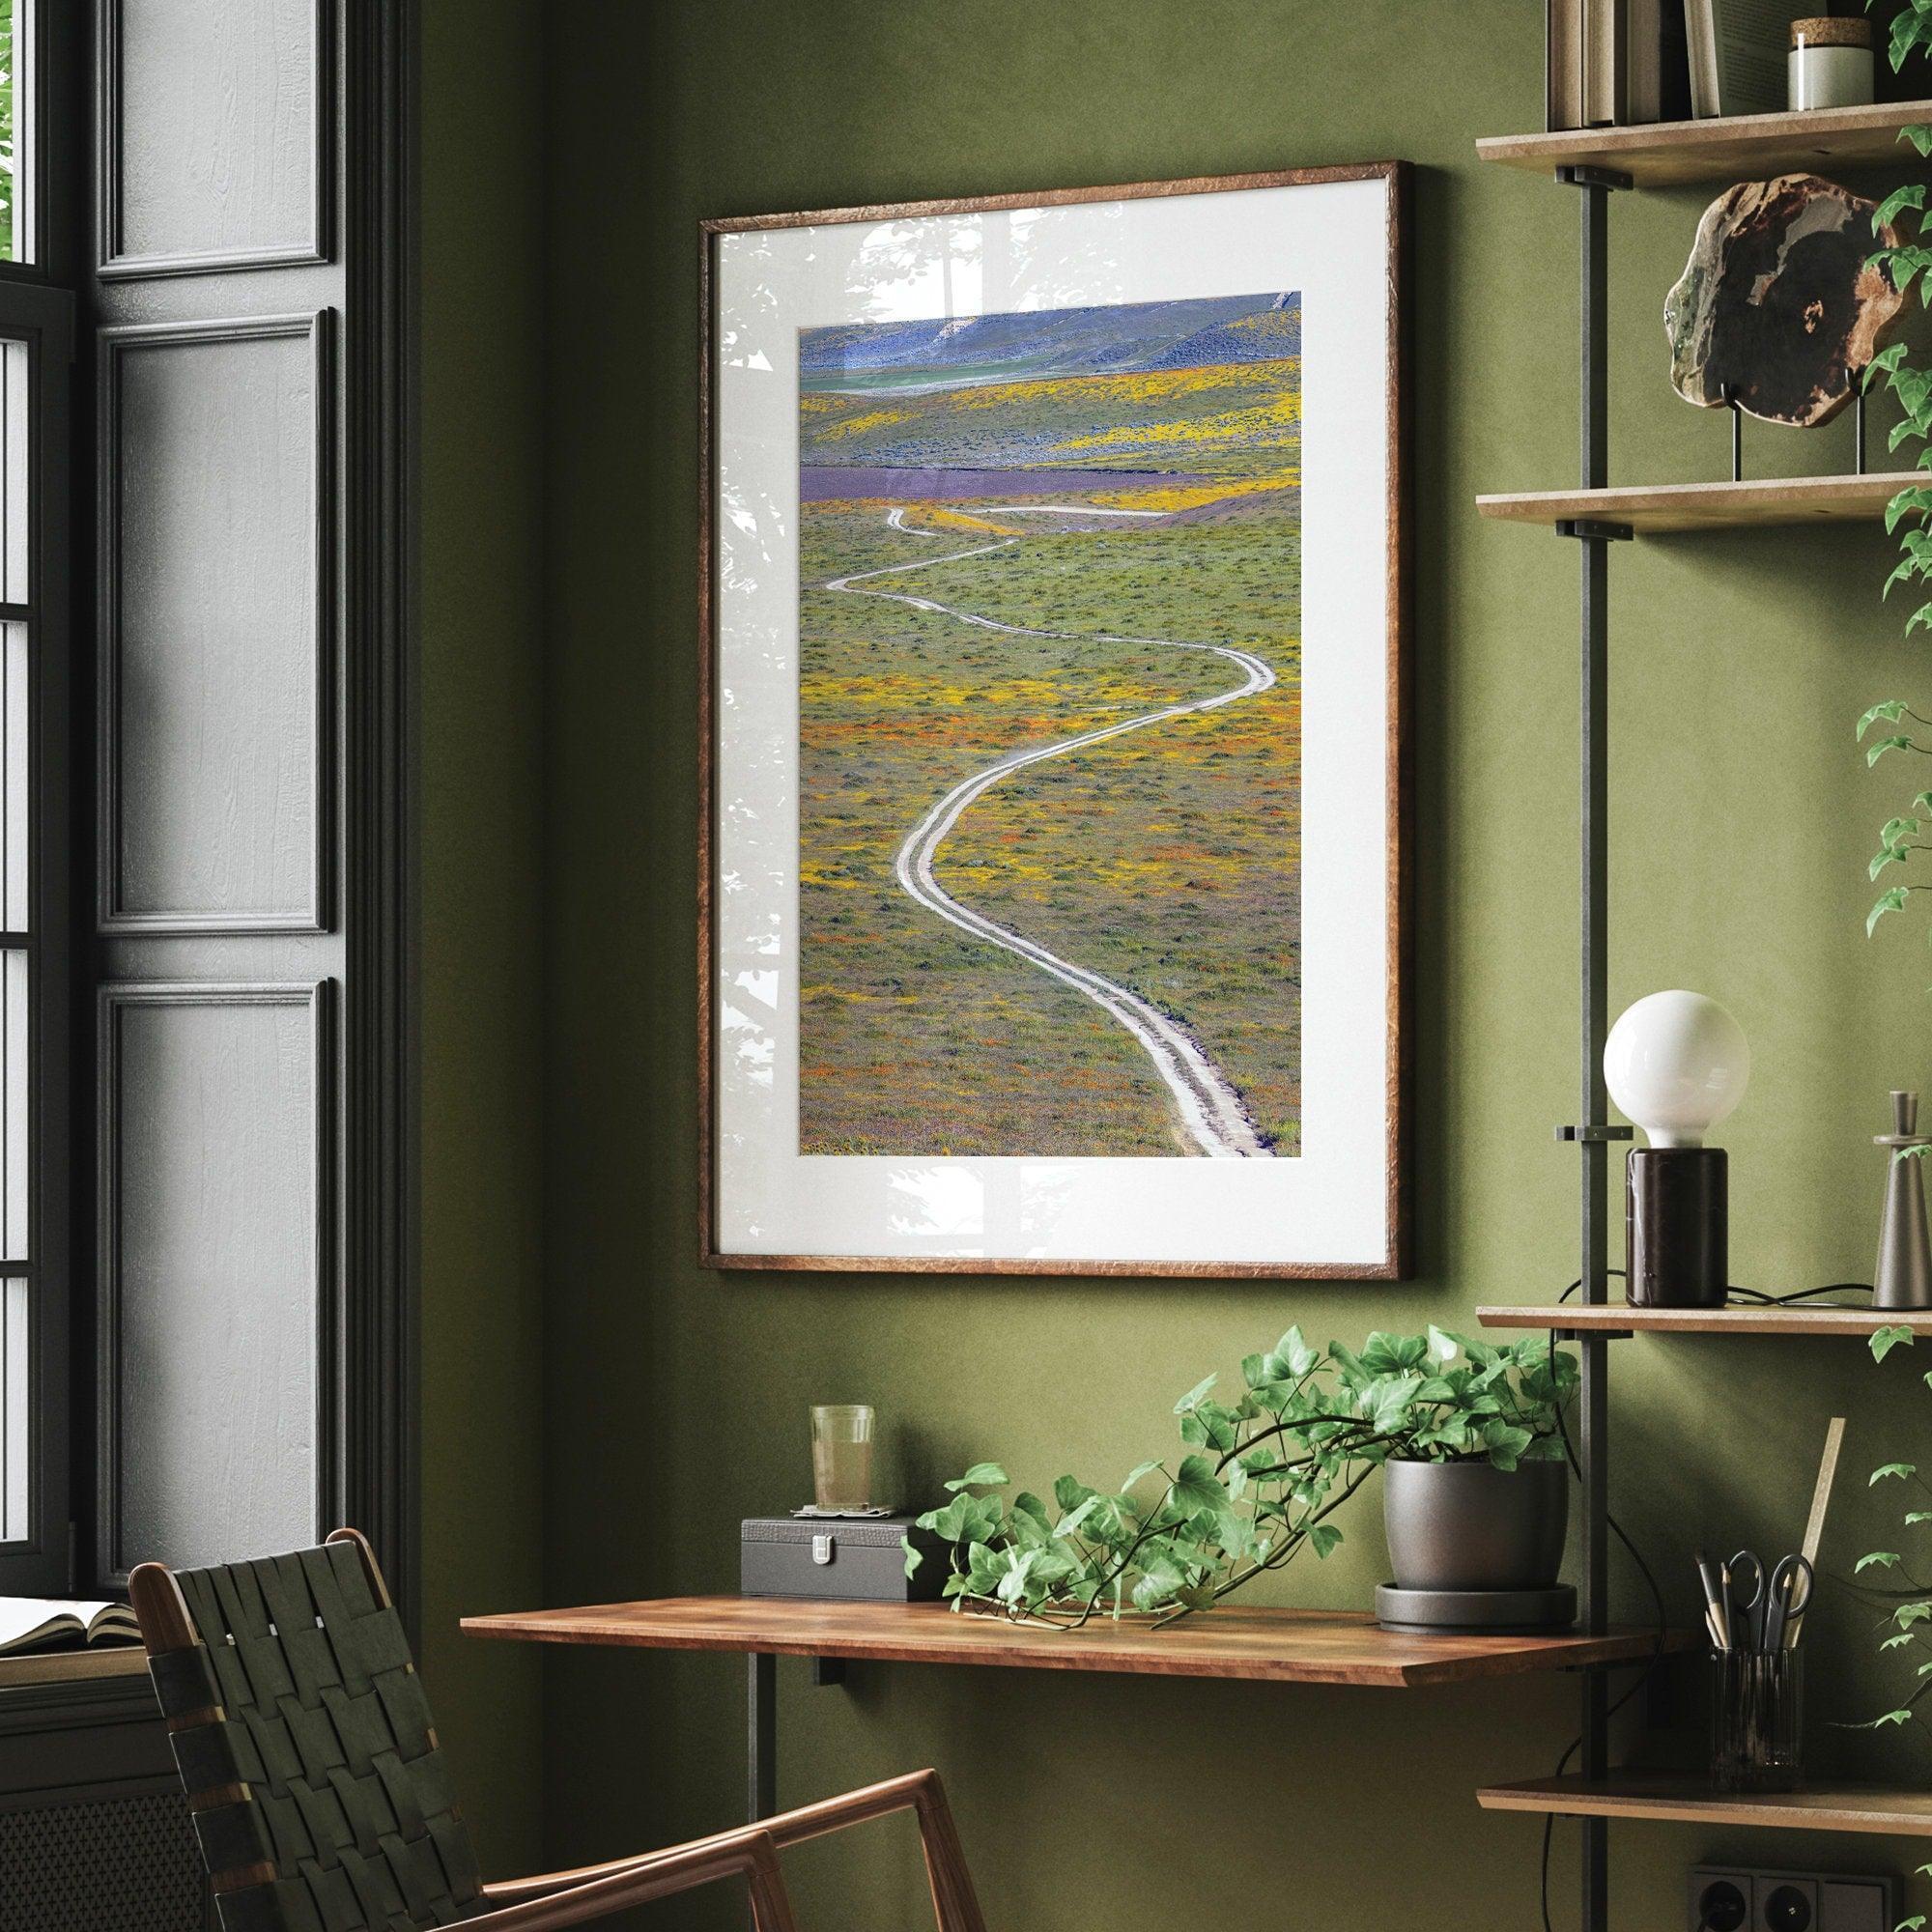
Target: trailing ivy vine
(1258,1479)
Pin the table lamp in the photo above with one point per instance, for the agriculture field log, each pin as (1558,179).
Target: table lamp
(1676,1063)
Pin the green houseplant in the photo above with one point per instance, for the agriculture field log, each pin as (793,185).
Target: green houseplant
(1257,1479)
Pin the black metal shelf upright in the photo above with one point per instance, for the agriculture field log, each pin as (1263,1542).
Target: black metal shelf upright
(1594,1133)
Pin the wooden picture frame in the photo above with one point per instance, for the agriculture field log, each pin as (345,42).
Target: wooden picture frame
(1378,1170)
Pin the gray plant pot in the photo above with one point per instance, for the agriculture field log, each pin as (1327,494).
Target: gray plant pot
(1472,1526)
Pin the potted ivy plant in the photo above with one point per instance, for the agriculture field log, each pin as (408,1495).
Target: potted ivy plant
(1468,1431)
(1476,1492)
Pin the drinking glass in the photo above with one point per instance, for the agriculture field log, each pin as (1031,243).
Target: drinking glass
(841,1456)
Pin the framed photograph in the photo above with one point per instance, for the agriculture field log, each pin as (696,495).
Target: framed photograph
(1052,815)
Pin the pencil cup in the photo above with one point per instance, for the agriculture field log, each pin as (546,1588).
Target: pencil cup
(1757,1719)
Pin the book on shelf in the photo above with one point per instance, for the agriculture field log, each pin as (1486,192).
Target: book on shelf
(32,1626)
(1737,49)
(1609,63)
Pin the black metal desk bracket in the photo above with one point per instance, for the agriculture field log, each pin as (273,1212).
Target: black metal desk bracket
(1595,1133)
(1592,530)
(1581,175)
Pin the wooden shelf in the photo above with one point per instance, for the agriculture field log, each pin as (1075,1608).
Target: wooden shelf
(1745,147)
(1268,1646)
(73,1667)
(1850,1807)
(1656,508)
(1619,1317)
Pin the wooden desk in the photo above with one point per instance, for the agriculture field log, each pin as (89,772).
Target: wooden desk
(1265,1646)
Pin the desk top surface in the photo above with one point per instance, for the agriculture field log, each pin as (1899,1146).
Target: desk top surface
(1269,1645)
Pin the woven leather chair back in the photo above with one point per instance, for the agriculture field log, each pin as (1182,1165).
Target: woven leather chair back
(319,1796)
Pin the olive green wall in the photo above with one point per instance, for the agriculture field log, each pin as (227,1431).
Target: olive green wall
(675,1398)
(480,986)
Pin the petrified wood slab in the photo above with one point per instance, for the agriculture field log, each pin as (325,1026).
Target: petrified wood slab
(1776,302)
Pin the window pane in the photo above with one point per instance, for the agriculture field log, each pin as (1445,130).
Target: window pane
(13,1411)
(15,132)
(14,1121)
(14,777)
(15,452)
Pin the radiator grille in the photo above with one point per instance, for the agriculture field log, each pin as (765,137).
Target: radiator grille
(128,1864)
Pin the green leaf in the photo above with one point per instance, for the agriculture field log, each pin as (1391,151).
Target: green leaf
(1139,1472)
(1885,1339)
(1901,1471)
(913,1557)
(1296,1354)
(982,1474)
(1195,1486)
(1323,1536)
(1893,901)
(1896,203)
(1186,1404)
(1882,1559)
(1070,1523)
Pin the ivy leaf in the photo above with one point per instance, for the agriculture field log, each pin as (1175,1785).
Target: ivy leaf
(1885,1339)
(1323,1536)
(1901,1471)
(1069,1523)
(1296,1354)
(981,1475)
(1888,901)
(1896,203)
(913,1557)
(1195,1486)
(1187,1402)
(1882,1559)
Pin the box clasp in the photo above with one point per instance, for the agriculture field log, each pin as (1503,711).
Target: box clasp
(822,1547)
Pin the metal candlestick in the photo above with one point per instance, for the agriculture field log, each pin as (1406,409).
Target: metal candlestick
(1903,1278)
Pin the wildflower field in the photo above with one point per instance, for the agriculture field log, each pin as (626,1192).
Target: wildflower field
(1165,859)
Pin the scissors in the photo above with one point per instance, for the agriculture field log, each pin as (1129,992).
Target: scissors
(1745,1600)
(1766,1606)
(1786,1596)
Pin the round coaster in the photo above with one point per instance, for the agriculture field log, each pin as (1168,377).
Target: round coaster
(1476,1612)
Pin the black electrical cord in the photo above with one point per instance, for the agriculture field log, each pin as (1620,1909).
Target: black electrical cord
(1758,1295)
(1734,1292)
(1657,1598)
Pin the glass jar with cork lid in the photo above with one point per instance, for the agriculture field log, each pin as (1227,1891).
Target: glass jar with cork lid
(1830,64)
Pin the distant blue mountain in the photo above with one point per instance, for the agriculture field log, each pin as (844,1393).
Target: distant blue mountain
(1119,338)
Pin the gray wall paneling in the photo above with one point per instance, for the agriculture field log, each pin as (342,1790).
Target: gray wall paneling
(227,1405)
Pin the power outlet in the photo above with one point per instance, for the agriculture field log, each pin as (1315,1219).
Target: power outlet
(1783,1902)
(1720,1901)
(1732,1898)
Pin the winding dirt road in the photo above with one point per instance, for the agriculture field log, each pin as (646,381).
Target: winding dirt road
(1214,1115)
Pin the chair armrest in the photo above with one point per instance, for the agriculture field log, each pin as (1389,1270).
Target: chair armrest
(751,1852)
(955,1904)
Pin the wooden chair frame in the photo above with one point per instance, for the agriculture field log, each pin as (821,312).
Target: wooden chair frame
(555,1899)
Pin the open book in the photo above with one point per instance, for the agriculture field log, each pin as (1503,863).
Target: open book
(44,1622)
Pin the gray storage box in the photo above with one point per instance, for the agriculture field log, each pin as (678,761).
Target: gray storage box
(856,1557)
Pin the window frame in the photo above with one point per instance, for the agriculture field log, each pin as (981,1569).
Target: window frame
(37,305)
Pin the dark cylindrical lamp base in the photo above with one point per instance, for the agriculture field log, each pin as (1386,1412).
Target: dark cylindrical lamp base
(1676,1228)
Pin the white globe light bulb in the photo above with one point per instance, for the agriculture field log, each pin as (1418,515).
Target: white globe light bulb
(1677,1063)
